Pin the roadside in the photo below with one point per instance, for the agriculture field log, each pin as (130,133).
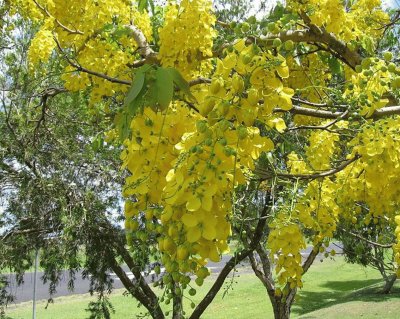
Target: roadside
(81,286)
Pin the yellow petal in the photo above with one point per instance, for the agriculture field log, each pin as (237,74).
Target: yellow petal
(193,204)
(213,253)
(209,231)
(170,176)
(279,124)
(190,220)
(273,83)
(193,234)
(207,203)
(285,100)
(283,71)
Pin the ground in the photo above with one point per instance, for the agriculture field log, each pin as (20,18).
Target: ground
(332,289)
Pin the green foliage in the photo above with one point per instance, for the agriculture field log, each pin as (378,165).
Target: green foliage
(152,86)
(59,183)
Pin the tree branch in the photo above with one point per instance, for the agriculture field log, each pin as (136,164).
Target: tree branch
(266,174)
(316,35)
(367,240)
(85,70)
(136,272)
(56,20)
(144,48)
(154,310)
(198,81)
(310,259)
(299,110)
(322,127)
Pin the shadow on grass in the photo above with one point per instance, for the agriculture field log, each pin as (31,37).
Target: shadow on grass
(342,291)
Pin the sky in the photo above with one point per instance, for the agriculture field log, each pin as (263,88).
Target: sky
(271,3)
(391,3)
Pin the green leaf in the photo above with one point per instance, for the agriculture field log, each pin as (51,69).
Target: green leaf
(142,4)
(335,65)
(135,89)
(152,7)
(122,31)
(164,87)
(181,83)
(124,127)
(98,143)
(368,44)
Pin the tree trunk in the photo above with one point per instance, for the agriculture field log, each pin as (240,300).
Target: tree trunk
(281,308)
(389,282)
(177,307)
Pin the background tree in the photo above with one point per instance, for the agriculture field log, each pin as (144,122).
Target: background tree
(370,243)
(59,186)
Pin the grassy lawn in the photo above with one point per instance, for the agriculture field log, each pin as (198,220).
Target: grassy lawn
(332,289)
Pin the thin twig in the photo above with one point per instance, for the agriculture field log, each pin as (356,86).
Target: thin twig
(85,70)
(264,174)
(56,20)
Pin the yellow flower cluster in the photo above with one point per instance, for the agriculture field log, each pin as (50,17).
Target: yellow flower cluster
(296,165)
(187,164)
(247,85)
(321,148)
(285,242)
(309,76)
(186,38)
(378,145)
(187,168)
(360,20)
(317,212)
(41,46)
(96,32)
(27,8)
(369,85)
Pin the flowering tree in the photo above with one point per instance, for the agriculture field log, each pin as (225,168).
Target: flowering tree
(267,129)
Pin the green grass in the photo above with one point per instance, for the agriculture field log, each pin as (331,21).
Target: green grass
(332,289)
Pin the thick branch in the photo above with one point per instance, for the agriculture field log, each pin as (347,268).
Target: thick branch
(144,48)
(136,272)
(199,80)
(310,259)
(317,35)
(263,271)
(154,310)
(299,110)
(352,58)
(386,111)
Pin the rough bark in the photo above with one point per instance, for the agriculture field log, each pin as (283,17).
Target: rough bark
(177,310)
(389,282)
(153,308)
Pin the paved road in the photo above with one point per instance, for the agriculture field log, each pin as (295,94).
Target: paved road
(25,291)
